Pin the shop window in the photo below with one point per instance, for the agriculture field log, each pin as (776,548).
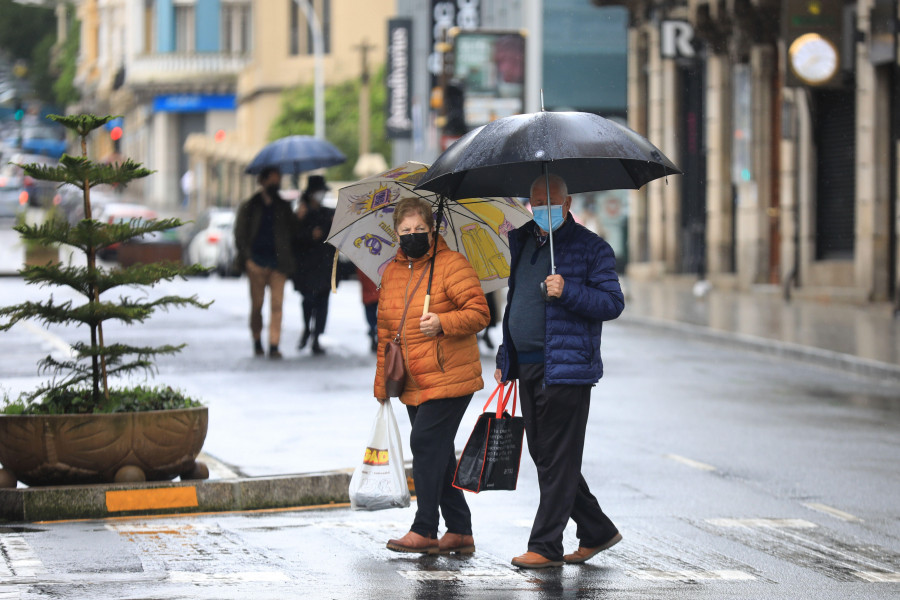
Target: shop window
(300,35)
(185,27)
(236,27)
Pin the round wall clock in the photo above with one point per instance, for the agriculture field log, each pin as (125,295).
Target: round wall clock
(813,58)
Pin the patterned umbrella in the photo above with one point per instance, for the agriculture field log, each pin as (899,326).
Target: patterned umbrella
(363,227)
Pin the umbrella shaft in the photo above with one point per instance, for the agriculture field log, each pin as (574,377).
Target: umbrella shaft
(550,224)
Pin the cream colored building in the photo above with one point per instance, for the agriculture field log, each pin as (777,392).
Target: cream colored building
(282,58)
(199,82)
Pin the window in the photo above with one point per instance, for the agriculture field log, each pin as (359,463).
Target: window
(300,34)
(236,27)
(184,27)
(149,26)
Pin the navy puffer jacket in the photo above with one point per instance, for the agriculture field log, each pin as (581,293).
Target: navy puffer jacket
(591,295)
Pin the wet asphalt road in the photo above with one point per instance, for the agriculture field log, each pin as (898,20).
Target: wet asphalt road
(730,475)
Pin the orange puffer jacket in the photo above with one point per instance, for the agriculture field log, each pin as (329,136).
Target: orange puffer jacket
(445,366)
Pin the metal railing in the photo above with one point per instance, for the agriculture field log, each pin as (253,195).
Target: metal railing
(175,66)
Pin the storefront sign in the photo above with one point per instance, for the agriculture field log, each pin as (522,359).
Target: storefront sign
(491,67)
(446,14)
(194,102)
(399,79)
(677,40)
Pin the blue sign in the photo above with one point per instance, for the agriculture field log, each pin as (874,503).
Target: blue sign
(113,123)
(194,102)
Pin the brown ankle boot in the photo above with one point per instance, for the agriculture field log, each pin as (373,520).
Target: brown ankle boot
(456,542)
(413,542)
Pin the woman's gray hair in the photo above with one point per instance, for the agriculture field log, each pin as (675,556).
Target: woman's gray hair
(410,205)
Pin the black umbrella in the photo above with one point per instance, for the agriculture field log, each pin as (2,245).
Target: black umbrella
(505,156)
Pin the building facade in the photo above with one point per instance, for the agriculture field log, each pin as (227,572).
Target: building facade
(784,117)
(170,67)
(282,58)
(199,82)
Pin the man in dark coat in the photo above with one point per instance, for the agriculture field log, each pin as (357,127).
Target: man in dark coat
(315,258)
(553,349)
(263,235)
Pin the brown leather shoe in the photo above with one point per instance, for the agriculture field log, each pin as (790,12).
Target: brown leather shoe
(583,554)
(533,560)
(456,542)
(413,542)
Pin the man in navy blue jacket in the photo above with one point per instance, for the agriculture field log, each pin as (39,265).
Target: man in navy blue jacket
(552,347)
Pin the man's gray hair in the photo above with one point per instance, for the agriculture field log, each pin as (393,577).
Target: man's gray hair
(555,182)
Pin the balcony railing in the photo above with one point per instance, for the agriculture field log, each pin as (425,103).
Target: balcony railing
(174,67)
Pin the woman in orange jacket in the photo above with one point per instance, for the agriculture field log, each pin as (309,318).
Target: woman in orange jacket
(443,369)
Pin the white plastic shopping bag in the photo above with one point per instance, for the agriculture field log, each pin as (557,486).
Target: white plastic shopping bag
(380,481)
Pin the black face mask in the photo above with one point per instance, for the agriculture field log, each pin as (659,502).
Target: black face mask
(272,190)
(415,245)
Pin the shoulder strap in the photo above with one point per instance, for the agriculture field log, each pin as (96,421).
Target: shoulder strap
(408,301)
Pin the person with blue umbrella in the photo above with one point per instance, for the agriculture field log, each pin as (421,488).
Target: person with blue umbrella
(264,232)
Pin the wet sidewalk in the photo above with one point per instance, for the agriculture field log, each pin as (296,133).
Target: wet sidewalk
(862,339)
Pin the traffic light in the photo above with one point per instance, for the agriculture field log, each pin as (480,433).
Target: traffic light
(115,134)
(20,112)
(454,109)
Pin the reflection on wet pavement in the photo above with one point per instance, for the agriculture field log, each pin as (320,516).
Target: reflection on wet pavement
(868,332)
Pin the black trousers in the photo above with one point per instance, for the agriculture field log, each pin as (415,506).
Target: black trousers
(434,426)
(555,422)
(315,308)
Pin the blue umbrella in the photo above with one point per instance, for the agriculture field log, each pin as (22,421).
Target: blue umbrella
(296,154)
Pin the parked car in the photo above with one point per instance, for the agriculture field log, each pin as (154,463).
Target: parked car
(226,258)
(13,197)
(120,212)
(36,193)
(211,229)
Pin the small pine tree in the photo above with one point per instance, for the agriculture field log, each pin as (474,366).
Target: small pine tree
(81,384)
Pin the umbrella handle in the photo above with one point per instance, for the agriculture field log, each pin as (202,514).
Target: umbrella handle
(427,303)
(544,293)
(334,272)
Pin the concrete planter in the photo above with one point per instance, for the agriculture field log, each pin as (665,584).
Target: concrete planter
(41,255)
(80,449)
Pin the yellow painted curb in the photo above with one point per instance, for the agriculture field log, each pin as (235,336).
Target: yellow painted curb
(151,499)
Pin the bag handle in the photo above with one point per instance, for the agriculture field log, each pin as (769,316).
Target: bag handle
(501,401)
(408,302)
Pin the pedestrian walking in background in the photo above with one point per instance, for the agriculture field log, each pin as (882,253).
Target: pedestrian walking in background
(263,235)
(370,304)
(187,188)
(314,258)
(440,349)
(491,298)
(552,347)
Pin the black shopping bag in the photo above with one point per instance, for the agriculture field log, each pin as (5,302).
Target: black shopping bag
(491,457)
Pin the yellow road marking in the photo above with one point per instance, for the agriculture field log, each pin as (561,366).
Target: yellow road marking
(174,497)
(691,463)
(830,510)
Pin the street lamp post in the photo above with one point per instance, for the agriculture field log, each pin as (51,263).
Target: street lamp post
(319,78)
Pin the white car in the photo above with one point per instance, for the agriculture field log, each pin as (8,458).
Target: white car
(210,229)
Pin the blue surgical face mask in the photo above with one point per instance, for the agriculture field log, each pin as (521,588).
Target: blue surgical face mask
(548,217)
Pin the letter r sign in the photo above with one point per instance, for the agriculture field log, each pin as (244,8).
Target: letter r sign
(676,39)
